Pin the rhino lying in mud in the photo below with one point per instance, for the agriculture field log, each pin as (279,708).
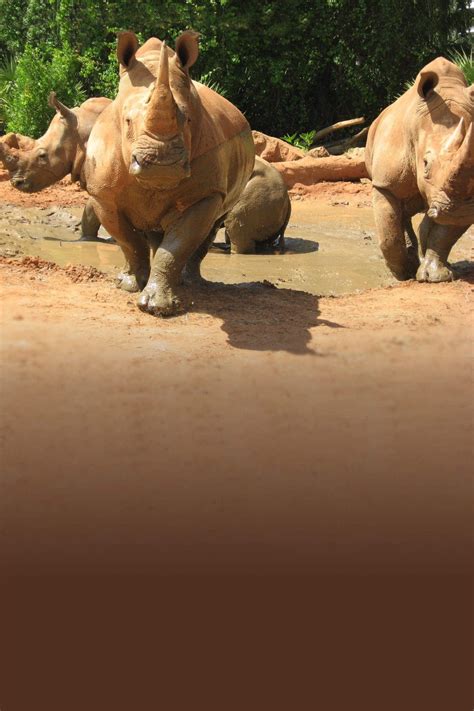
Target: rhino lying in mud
(36,164)
(170,157)
(420,156)
(262,212)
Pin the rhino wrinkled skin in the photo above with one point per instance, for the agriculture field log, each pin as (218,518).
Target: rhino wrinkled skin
(261,213)
(36,164)
(420,157)
(168,158)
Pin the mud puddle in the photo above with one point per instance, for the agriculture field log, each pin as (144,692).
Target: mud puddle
(331,249)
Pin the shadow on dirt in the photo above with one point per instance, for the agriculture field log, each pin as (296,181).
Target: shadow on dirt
(258,316)
(464,271)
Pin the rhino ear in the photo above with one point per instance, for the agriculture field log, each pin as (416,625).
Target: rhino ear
(187,48)
(10,140)
(127,45)
(61,109)
(425,83)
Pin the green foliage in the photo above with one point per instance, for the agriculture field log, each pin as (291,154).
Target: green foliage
(290,65)
(300,140)
(465,62)
(7,84)
(208,80)
(36,75)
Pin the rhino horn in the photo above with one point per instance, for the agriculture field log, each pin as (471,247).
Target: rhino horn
(60,108)
(455,139)
(161,117)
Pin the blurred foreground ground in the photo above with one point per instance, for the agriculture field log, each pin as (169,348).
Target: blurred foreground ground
(270,434)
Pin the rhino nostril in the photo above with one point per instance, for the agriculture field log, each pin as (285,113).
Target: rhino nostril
(18,182)
(135,166)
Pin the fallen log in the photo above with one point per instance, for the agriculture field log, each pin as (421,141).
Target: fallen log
(337,149)
(310,170)
(274,149)
(336,127)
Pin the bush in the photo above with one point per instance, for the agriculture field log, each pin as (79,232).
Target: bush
(39,71)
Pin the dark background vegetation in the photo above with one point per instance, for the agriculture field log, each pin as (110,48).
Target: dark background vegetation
(291,65)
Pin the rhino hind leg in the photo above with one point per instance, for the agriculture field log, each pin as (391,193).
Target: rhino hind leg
(182,240)
(390,224)
(437,242)
(192,268)
(90,225)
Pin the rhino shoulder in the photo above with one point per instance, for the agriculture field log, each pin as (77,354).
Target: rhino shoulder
(390,149)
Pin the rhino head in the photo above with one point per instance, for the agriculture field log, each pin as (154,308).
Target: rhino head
(48,159)
(156,115)
(445,156)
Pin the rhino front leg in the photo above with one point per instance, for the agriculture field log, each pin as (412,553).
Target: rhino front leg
(390,224)
(436,243)
(135,248)
(181,240)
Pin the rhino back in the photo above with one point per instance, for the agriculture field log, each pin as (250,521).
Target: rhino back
(264,205)
(219,121)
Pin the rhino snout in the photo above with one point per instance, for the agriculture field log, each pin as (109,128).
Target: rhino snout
(20,183)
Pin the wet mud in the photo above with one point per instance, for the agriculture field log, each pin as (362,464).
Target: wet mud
(331,248)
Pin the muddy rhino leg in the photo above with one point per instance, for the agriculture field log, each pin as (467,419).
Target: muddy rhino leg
(180,242)
(192,269)
(390,224)
(90,224)
(135,248)
(438,241)
(240,243)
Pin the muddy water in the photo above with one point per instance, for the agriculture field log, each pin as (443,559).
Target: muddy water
(332,249)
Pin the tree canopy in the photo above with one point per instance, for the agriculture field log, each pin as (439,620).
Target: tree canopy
(290,65)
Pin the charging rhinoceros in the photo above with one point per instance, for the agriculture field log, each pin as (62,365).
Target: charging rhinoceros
(36,164)
(169,156)
(420,156)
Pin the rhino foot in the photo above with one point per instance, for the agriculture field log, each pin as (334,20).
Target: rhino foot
(434,272)
(127,282)
(158,302)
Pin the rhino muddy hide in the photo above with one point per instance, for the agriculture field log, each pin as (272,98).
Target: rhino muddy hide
(165,162)
(420,156)
(33,165)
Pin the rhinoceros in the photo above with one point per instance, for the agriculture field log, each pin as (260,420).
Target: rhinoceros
(262,212)
(420,156)
(36,164)
(170,156)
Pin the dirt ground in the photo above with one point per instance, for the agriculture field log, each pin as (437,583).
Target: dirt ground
(269,492)
(309,389)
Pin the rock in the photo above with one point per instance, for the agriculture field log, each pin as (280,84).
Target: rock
(318,152)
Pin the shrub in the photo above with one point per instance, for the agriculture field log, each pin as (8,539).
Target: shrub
(39,71)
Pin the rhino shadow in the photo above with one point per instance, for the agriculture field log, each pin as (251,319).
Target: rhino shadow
(259,316)
(463,270)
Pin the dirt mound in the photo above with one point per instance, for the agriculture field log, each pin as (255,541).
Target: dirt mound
(63,193)
(338,193)
(274,149)
(75,272)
